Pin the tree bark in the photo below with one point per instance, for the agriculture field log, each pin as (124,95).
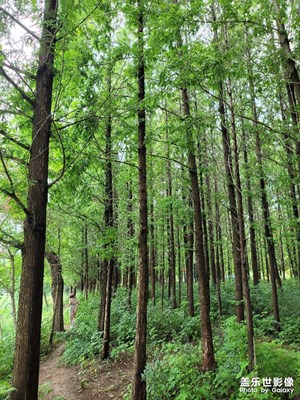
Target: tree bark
(243,250)
(208,358)
(27,350)
(152,254)
(109,223)
(172,256)
(253,244)
(131,269)
(233,210)
(57,291)
(188,237)
(140,357)
(86,278)
(265,208)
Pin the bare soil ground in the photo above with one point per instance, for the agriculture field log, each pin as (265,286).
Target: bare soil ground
(102,381)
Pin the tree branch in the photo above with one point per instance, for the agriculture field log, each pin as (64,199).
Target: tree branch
(169,159)
(19,71)
(77,214)
(24,146)
(16,199)
(6,170)
(12,243)
(16,159)
(171,112)
(81,22)
(21,91)
(19,23)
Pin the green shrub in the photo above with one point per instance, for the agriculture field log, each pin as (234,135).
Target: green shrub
(83,342)
(5,390)
(274,361)
(174,374)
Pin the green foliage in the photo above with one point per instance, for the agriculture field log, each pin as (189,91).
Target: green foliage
(7,342)
(44,390)
(275,361)
(5,391)
(7,339)
(83,342)
(174,373)
(167,325)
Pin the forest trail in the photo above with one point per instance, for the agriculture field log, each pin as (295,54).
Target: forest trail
(109,380)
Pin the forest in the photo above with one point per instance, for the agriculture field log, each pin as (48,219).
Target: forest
(149,169)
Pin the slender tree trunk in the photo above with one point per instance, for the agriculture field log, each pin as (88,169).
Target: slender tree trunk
(27,349)
(86,262)
(188,237)
(208,358)
(152,254)
(204,221)
(179,265)
(215,266)
(291,72)
(211,232)
(219,232)
(292,176)
(265,208)
(162,280)
(109,224)
(103,284)
(243,249)
(138,384)
(107,312)
(233,210)
(57,291)
(229,172)
(253,245)
(172,257)
(131,269)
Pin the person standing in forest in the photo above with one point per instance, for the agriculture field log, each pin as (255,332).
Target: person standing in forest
(73,304)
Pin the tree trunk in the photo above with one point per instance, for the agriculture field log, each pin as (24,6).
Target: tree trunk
(27,350)
(265,208)
(243,249)
(229,172)
(57,291)
(220,257)
(179,265)
(253,245)
(152,254)
(103,284)
(208,358)
(172,259)
(109,223)
(215,266)
(86,262)
(131,269)
(212,260)
(292,176)
(138,384)
(233,210)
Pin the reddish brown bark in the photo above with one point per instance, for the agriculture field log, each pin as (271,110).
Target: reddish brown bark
(140,357)
(208,358)
(27,350)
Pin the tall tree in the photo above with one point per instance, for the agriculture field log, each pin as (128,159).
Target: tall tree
(138,384)
(26,358)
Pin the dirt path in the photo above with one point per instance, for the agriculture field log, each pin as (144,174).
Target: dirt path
(108,380)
